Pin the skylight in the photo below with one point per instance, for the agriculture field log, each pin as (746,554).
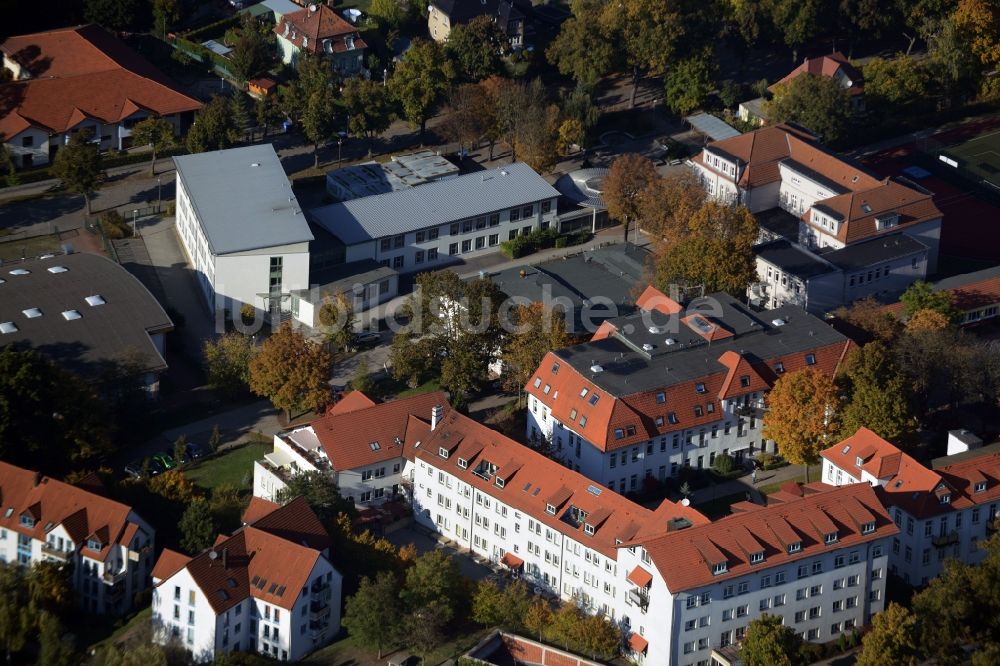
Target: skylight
(374,446)
(8,327)
(594,490)
(32,313)
(95,300)
(70,315)
(20,271)
(57,269)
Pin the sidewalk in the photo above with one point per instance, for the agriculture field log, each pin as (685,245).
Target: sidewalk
(745,483)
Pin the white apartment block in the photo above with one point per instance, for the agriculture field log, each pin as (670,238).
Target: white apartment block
(942,511)
(242,229)
(837,202)
(361,444)
(444,221)
(269,589)
(108,545)
(671,386)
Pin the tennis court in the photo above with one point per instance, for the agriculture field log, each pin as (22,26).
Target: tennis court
(978,158)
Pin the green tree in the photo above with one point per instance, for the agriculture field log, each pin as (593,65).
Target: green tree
(197,527)
(214,439)
(50,587)
(434,580)
(536,331)
(537,143)
(336,316)
(213,127)
(689,83)
(156,133)
(389,13)
(922,296)
(49,418)
(426,626)
(802,415)
(291,371)
(180,449)
(892,639)
(240,108)
(412,359)
(601,638)
(819,103)
(539,617)
(878,394)
(366,611)
(253,52)
(17,617)
(227,362)
(582,49)
(369,109)
(468,116)
(667,205)
(138,655)
(476,48)
(421,81)
(320,492)
(165,14)
(628,178)
(578,105)
(798,22)
(115,15)
(868,319)
(319,120)
(769,643)
(362,380)
(891,83)
(56,646)
(267,111)
(78,165)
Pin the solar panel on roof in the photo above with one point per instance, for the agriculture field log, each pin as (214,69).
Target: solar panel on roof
(594,490)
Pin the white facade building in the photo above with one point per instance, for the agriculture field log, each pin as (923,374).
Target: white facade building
(242,229)
(942,512)
(670,387)
(269,588)
(108,545)
(444,221)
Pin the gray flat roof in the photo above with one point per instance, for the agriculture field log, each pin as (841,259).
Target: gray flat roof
(866,253)
(243,199)
(628,370)
(965,279)
(714,128)
(343,278)
(435,203)
(116,330)
(793,259)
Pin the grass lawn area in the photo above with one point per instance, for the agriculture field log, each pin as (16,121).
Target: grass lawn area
(228,467)
(387,388)
(97,637)
(347,651)
(814,475)
(28,247)
(426,387)
(719,507)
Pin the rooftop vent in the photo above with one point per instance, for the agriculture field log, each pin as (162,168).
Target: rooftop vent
(670,341)
(654,330)
(596,368)
(32,313)
(20,271)
(647,347)
(8,327)
(95,300)
(47,255)
(70,315)
(778,322)
(57,269)
(254,165)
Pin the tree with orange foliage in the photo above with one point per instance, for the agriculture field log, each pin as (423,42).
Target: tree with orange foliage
(979,22)
(623,188)
(291,371)
(802,415)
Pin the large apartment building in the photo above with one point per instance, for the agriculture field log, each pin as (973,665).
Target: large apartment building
(268,588)
(360,443)
(107,544)
(942,511)
(671,386)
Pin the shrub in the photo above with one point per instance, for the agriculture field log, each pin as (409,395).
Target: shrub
(562,241)
(723,464)
(769,461)
(248,313)
(114,226)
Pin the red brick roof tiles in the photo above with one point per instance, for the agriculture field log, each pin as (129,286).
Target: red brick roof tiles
(681,556)
(827,65)
(317,26)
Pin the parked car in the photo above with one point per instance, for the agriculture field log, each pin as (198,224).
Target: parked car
(193,452)
(156,467)
(134,469)
(368,338)
(165,459)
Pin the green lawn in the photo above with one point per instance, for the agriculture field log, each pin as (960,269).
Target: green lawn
(719,507)
(228,467)
(814,475)
(387,388)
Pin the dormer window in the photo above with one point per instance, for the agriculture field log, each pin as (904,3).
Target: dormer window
(868,528)
(858,462)
(980,486)
(698,410)
(745,381)
(93,544)
(27,520)
(830,538)
(463,463)
(719,568)
(794,547)
(659,421)
(757,558)
(946,498)
(443,452)
(588,529)
(672,418)
(619,433)
(779,368)
(500,482)
(550,509)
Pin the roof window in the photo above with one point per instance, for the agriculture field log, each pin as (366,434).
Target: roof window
(538,382)
(95,300)
(463,463)
(548,387)
(374,446)
(699,388)
(572,414)
(32,313)
(868,528)
(794,547)
(594,398)
(584,391)
(757,558)
(672,417)
(70,315)
(57,269)
(980,486)
(583,421)
(810,359)
(745,381)
(661,398)
(555,368)
(719,568)
(20,271)
(8,327)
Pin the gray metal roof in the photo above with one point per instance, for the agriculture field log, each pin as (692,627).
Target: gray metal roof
(583,187)
(436,203)
(793,259)
(400,173)
(714,128)
(862,255)
(956,281)
(344,278)
(115,330)
(243,199)
(627,370)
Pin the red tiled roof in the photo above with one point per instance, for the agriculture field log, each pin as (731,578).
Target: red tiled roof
(294,522)
(349,435)
(827,65)
(318,26)
(258,508)
(637,643)
(540,481)
(859,209)
(82,73)
(972,295)
(52,503)
(169,563)
(352,400)
(684,558)
(640,577)
(511,561)
(654,300)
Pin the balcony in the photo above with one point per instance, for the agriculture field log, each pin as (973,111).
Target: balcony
(639,598)
(55,553)
(114,578)
(319,611)
(945,540)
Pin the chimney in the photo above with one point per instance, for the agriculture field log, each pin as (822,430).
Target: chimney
(436,413)
(38,478)
(225,552)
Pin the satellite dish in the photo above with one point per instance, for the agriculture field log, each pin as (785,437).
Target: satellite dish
(685,502)
(213,555)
